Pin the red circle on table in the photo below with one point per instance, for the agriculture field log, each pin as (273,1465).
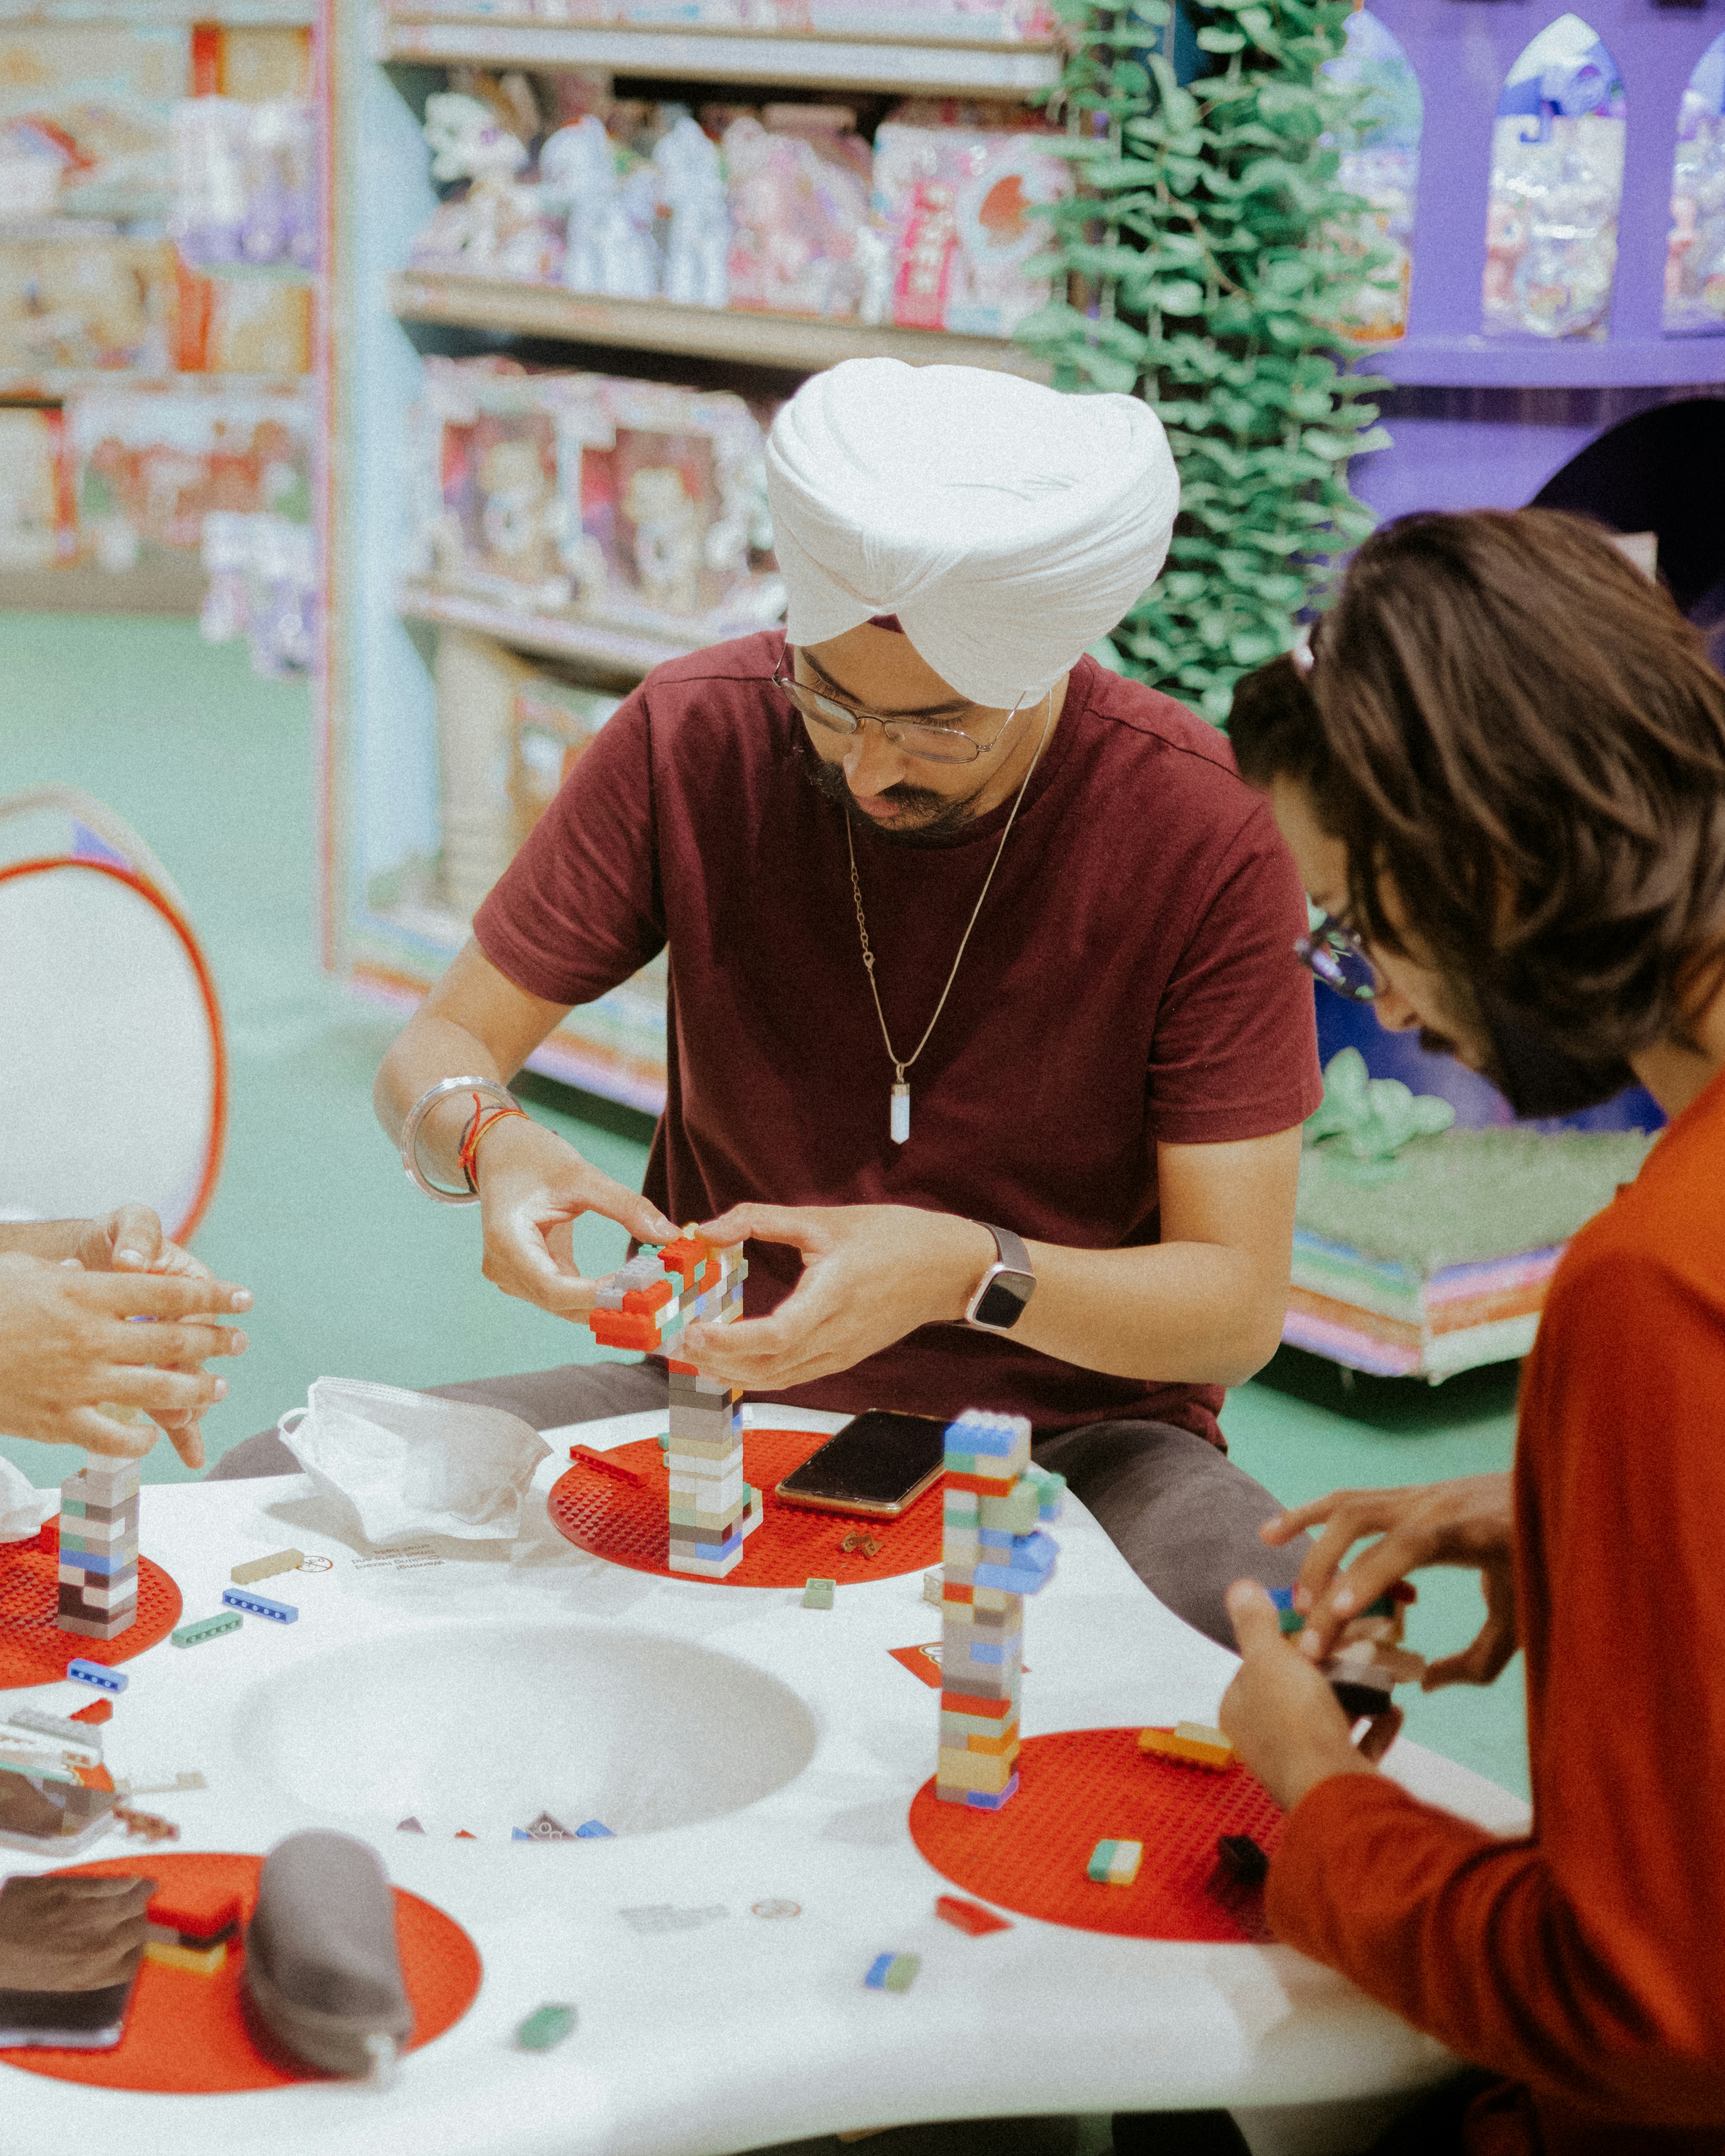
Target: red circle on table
(190,2036)
(1089,1785)
(33,1649)
(627,1521)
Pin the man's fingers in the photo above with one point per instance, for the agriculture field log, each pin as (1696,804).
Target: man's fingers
(803,1227)
(1379,1733)
(142,1385)
(1256,1622)
(100,1433)
(170,1346)
(134,1236)
(158,1295)
(186,1436)
(1480,1664)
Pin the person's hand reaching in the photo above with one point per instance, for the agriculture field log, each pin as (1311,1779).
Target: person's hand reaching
(70,1347)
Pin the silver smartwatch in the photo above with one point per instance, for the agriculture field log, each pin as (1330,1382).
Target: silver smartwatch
(1007,1287)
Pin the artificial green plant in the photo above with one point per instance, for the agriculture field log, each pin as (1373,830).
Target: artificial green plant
(1213,263)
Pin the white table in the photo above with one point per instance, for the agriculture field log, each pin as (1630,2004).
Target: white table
(744,1750)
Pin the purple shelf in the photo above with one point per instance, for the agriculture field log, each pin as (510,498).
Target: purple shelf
(1478,363)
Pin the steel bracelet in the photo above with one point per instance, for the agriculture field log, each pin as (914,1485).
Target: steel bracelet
(416,1117)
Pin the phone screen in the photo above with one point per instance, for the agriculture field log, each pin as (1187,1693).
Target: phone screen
(878,1462)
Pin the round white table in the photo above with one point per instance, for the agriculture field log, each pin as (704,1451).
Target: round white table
(744,1751)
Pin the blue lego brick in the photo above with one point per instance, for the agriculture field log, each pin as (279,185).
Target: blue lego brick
(594,1831)
(1051,1491)
(1282,1597)
(95,1673)
(978,1802)
(893,1972)
(103,1562)
(972,1432)
(260,1606)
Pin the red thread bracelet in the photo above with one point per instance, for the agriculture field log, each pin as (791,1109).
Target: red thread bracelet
(466,1159)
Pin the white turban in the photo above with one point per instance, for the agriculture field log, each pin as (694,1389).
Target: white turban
(1008,526)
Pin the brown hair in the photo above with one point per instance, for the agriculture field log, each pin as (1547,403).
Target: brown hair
(1509,725)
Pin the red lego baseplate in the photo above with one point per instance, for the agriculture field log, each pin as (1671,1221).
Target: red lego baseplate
(1091,1785)
(188,2035)
(629,1524)
(33,1649)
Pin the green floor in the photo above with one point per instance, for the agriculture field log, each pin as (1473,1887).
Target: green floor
(355,1274)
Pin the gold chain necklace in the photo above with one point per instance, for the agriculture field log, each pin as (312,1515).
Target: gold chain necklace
(900,1124)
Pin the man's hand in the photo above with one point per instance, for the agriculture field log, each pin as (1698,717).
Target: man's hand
(1469,1523)
(130,1241)
(533,1186)
(76,1934)
(68,1348)
(1280,1715)
(871,1275)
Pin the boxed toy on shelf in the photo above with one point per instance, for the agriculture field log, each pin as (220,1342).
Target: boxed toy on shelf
(86,300)
(633,502)
(955,190)
(802,241)
(38,522)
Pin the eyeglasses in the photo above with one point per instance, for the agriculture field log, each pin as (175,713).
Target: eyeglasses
(932,744)
(1337,956)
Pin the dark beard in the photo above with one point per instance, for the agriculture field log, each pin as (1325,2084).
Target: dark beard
(947,819)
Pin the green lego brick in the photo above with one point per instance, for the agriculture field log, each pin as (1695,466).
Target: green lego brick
(818,1595)
(207,1628)
(545,2028)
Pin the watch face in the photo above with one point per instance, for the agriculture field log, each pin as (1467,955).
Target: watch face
(1002,1301)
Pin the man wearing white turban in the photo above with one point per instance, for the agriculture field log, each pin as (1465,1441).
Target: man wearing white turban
(985,1039)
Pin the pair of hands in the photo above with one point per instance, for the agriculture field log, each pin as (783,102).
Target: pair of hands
(1279,1713)
(870,1273)
(71,1345)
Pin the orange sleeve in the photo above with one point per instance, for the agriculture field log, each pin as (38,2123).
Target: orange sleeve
(1590,1960)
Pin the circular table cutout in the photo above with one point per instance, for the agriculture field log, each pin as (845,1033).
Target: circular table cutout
(33,1651)
(190,2036)
(626,1523)
(1089,1785)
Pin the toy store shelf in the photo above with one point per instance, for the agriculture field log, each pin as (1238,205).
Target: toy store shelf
(153,14)
(614,1048)
(552,636)
(701,53)
(789,340)
(167,584)
(48,385)
(1475,362)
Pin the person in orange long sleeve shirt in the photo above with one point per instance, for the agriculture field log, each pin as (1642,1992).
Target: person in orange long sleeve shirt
(1501,766)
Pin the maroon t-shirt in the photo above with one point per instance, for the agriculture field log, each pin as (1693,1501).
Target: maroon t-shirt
(1130,979)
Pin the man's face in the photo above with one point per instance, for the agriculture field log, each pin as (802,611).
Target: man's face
(1409,994)
(907,797)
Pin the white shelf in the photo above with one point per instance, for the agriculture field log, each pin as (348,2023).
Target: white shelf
(807,342)
(47,385)
(700,54)
(558,636)
(154,14)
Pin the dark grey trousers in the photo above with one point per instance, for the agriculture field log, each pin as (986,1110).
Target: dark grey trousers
(1185,1518)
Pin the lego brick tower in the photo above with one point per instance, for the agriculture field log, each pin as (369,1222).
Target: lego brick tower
(995,1555)
(646,1304)
(99,1549)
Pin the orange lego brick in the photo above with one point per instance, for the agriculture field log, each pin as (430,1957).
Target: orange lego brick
(686,1256)
(1192,1743)
(623,1328)
(584,1455)
(647,1299)
(964,1702)
(953,1592)
(99,1710)
(985,1486)
(995,1747)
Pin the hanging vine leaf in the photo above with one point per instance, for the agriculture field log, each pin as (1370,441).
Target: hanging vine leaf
(1215,263)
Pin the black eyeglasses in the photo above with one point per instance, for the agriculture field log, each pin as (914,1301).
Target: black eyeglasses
(1337,956)
(932,744)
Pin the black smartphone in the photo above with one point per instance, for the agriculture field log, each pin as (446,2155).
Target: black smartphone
(878,1463)
(65,2020)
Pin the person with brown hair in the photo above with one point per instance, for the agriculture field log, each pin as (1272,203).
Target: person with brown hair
(1501,767)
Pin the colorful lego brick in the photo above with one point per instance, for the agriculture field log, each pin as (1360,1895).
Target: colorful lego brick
(200,1961)
(207,1628)
(818,1595)
(893,1972)
(980,1800)
(594,1830)
(960,1774)
(968,1917)
(933,1585)
(99,1710)
(96,1674)
(54,1725)
(545,2028)
(585,1456)
(197,1914)
(266,1567)
(1114,1863)
(1192,1742)
(260,1606)
(1013,1515)
(1050,1492)
(1287,1616)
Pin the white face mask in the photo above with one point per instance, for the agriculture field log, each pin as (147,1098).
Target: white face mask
(21,1509)
(407,1465)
